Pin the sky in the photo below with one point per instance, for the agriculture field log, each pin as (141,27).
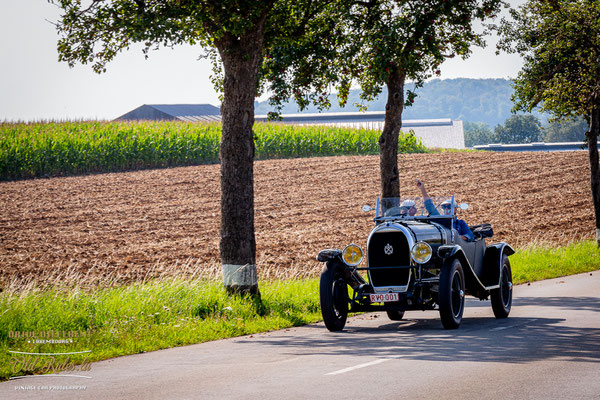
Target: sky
(35,86)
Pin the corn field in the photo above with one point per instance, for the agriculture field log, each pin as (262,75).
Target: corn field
(72,148)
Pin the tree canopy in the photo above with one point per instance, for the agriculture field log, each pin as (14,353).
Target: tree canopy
(96,33)
(477,133)
(566,130)
(560,43)
(370,42)
(376,43)
(518,129)
(528,129)
(236,35)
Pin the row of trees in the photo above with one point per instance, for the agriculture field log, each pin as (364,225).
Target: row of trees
(301,49)
(526,129)
(293,48)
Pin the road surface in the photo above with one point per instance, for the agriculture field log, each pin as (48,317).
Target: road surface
(549,348)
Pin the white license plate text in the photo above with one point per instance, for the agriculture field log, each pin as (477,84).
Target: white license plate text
(384,297)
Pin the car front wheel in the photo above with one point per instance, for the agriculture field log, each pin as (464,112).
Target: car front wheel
(333,294)
(395,315)
(451,296)
(502,297)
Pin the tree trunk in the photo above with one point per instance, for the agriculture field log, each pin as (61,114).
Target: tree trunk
(241,57)
(592,139)
(388,141)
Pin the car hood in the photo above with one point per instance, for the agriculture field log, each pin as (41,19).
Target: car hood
(419,231)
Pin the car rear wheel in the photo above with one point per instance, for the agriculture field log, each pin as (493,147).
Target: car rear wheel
(333,294)
(395,315)
(502,297)
(451,296)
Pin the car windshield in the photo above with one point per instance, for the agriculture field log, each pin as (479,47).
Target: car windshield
(414,207)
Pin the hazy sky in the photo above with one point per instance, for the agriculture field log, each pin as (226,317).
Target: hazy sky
(35,86)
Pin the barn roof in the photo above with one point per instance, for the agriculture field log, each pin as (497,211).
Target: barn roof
(169,112)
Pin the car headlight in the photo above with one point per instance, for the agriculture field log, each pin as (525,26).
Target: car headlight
(352,255)
(421,252)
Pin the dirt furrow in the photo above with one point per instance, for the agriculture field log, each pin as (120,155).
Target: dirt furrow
(168,219)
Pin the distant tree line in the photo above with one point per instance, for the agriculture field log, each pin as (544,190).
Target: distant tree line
(483,104)
(525,129)
(475,100)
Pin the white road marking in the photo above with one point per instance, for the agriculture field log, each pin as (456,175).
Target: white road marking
(364,365)
(380,360)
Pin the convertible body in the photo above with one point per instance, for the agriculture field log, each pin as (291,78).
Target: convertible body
(416,260)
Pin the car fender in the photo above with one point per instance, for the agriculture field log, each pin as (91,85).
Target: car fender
(473,284)
(492,262)
(333,259)
(329,254)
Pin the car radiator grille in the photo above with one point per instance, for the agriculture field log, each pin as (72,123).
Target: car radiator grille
(400,256)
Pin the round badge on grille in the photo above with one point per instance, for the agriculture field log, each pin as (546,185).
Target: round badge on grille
(388,249)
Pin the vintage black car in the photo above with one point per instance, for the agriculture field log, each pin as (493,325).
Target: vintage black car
(416,260)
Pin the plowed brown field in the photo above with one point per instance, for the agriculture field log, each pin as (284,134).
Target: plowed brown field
(147,222)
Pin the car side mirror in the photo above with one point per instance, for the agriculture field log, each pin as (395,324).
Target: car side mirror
(463,206)
(366,208)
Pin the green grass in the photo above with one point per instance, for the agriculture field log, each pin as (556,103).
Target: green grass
(540,262)
(147,316)
(69,148)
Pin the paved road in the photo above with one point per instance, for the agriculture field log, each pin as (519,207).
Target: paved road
(549,348)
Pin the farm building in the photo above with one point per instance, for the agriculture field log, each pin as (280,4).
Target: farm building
(445,132)
(170,112)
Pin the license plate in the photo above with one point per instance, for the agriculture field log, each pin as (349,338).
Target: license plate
(384,297)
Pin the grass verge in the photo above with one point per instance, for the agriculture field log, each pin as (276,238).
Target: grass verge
(535,263)
(118,320)
(139,317)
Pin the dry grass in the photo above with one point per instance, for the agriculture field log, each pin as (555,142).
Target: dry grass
(71,278)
